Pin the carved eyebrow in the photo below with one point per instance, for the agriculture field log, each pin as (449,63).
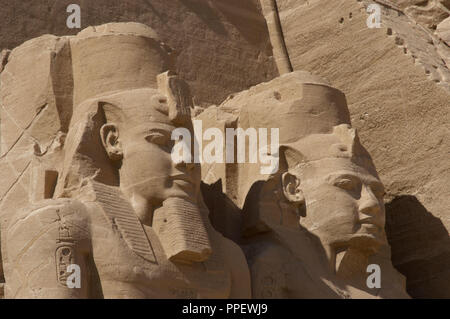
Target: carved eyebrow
(332,178)
(371,181)
(156,128)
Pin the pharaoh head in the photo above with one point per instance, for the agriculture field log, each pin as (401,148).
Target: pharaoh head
(127,102)
(333,183)
(327,183)
(136,136)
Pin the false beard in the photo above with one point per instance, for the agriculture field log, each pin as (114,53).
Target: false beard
(181,228)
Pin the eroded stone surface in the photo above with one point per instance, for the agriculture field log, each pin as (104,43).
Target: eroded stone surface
(443,31)
(113,204)
(298,244)
(98,187)
(223,45)
(396,82)
(392,77)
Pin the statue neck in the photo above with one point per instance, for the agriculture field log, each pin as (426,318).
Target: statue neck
(349,264)
(142,208)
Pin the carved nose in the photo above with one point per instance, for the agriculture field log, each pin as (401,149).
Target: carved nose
(370,207)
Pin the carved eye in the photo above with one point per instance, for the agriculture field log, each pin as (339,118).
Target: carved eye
(345,183)
(157,138)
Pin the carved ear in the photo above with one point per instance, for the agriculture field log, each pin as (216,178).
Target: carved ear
(291,189)
(110,139)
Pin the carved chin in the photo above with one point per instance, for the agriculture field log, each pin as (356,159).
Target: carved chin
(368,241)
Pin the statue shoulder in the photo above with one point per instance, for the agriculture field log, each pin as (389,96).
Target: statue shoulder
(41,242)
(58,218)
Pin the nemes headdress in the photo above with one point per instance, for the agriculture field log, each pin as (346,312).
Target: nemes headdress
(342,142)
(122,65)
(300,105)
(118,68)
(119,64)
(120,57)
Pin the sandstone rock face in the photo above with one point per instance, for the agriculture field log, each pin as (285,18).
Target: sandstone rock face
(396,81)
(396,84)
(223,44)
(443,31)
(427,13)
(99,207)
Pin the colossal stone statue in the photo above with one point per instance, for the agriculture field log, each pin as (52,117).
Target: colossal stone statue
(130,221)
(311,229)
(93,206)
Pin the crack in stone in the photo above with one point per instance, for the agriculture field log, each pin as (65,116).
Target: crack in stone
(15,182)
(39,111)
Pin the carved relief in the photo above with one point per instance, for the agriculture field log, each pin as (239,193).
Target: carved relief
(65,256)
